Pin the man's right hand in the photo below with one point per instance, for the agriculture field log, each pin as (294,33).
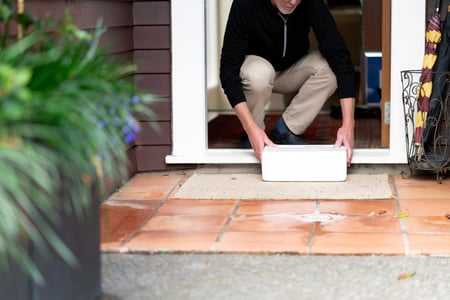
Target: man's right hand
(258,138)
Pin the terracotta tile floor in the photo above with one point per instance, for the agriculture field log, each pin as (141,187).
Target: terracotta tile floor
(142,217)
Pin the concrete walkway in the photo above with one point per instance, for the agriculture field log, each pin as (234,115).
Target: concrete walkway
(242,276)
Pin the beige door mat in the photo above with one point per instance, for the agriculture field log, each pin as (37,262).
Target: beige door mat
(252,187)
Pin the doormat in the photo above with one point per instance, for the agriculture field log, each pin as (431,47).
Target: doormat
(252,187)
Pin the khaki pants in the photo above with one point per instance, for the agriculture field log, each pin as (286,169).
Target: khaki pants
(310,80)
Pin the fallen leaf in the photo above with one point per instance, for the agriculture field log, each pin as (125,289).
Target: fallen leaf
(447,216)
(402,215)
(406,275)
(382,212)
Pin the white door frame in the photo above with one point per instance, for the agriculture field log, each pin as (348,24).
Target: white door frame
(189,115)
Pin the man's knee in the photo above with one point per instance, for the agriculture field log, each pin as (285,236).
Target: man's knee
(257,74)
(324,74)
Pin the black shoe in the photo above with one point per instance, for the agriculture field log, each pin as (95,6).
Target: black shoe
(244,143)
(287,138)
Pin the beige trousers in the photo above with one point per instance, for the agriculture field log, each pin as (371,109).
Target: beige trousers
(310,80)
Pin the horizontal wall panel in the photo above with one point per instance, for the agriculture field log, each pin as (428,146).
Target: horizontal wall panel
(161,111)
(86,13)
(152,61)
(152,158)
(151,37)
(123,58)
(118,39)
(156,84)
(132,163)
(151,12)
(158,133)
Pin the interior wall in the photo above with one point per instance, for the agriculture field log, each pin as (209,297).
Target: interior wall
(216,18)
(431,4)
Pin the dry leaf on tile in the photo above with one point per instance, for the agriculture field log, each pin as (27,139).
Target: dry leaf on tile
(406,275)
(402,215)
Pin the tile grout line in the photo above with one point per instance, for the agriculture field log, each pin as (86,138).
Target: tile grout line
(313,230)
(401,222)
(151,215)
(225,226)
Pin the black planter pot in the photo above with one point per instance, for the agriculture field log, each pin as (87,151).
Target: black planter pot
(62,281)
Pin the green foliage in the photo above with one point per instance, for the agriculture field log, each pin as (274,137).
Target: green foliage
(67,116)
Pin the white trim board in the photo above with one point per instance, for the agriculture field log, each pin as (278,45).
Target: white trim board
(189,117)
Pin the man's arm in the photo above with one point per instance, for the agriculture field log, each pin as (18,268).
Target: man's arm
(258,138)
(345,134)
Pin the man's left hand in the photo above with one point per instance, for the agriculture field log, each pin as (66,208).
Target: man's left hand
(345,136)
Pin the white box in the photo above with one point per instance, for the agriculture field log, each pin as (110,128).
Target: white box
(304,163)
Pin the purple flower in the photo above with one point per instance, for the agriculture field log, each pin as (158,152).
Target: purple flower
(131,136)
(135,99)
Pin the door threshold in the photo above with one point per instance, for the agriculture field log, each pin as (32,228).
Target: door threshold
(246,156)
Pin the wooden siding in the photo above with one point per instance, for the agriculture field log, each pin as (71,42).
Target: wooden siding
(137,31)
(151,34)
(85,14)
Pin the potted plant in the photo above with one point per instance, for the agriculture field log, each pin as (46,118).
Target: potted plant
(67,118)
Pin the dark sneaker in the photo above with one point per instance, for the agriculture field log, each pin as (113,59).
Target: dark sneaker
(287,138)
(244,143)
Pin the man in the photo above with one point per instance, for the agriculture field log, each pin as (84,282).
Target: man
(266,50)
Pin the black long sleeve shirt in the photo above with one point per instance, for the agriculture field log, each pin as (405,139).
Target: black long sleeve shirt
(255,27)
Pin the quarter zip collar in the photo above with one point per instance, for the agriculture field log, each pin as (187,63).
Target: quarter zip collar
(285,29)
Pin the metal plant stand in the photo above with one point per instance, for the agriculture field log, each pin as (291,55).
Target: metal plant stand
(429,151)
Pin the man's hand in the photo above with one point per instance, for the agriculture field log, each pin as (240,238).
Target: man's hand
(345,136)
(346,133)
(258,138)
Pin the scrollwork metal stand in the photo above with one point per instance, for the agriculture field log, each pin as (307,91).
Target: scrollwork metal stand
(431,152)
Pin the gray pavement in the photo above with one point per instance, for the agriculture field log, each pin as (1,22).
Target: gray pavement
(241,276)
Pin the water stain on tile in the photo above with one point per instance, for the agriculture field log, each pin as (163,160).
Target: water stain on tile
(256,207)
(427,224)
(359,224)
(267,223)
(359,207)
